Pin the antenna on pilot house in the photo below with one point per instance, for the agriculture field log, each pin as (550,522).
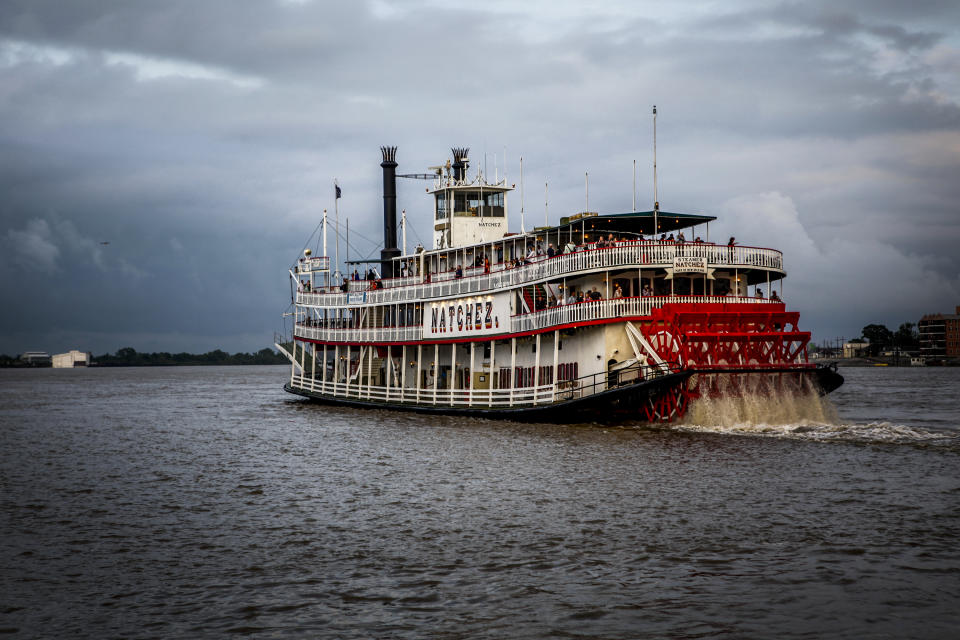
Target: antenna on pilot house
(656,202)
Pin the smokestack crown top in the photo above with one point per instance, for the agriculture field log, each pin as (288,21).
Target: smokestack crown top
(389,155)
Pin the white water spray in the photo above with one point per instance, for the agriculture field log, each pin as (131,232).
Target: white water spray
(763,409)
(759,407)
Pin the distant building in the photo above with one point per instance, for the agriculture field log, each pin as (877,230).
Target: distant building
(940,335)
(71,359)
(35,357)
(856,349)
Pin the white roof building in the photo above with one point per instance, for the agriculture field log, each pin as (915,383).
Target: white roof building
(71,359)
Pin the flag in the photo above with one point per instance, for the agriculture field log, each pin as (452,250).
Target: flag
(337,194)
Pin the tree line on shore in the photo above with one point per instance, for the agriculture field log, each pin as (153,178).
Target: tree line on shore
(129,357)
(879,338)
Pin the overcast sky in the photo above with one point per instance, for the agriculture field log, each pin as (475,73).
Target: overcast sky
(201,141)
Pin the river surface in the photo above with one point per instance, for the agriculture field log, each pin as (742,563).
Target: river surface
(205,502)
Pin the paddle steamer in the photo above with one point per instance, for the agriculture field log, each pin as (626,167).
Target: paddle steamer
(624,316)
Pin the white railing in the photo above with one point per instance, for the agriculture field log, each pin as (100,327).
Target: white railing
(613,308)
(626,255)
(525,396)
(544,319)
(380,334)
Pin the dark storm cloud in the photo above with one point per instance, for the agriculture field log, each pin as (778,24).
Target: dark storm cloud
(201,140)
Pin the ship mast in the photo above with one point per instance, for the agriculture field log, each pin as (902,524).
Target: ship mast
(656,202)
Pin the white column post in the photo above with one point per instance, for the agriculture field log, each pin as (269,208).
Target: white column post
(513,367)
(388,370)
(536,370)
(419,375)
(556,359)
(493,352)
(436,370)
(403,372)
(336,366)
(369,370)
(470,397)
(453,371)
(293,341)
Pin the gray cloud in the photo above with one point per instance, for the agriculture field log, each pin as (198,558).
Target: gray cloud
(201,141)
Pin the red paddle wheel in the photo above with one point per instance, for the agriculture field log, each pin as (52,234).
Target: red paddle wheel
(729,344)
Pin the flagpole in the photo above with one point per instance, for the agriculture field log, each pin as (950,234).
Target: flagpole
(326,257)
(336,211)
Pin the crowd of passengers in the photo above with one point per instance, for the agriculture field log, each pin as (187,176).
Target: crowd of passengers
(536,251)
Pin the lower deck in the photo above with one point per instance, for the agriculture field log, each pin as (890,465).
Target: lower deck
(587,401)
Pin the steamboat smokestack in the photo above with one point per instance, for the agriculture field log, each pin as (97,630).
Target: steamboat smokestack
(460,162)
(390,250)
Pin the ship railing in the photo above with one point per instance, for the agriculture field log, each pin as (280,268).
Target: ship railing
(428,396)
(503,397)
(352,334)
(561,315)
(502,275)
(579,312)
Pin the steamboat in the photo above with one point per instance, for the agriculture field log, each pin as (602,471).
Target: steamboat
(602,317)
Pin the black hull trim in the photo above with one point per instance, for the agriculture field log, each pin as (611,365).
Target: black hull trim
(621,403)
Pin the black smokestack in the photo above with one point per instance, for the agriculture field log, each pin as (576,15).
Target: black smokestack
(390,250)
(460,162)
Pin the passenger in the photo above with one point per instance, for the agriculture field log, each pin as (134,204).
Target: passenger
(617,291)
(551,251)
(774,296)
(596,295)
(580,296)
(569,247)
(459,272)
(611,241)
(680,237)
(759,292)
(486,265)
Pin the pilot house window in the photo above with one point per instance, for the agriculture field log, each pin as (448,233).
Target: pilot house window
(478,203)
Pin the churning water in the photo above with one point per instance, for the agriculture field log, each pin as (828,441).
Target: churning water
(205,502)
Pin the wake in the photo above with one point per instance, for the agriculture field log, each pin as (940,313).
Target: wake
(805,416)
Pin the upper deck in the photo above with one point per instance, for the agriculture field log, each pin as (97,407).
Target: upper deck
(502,275)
